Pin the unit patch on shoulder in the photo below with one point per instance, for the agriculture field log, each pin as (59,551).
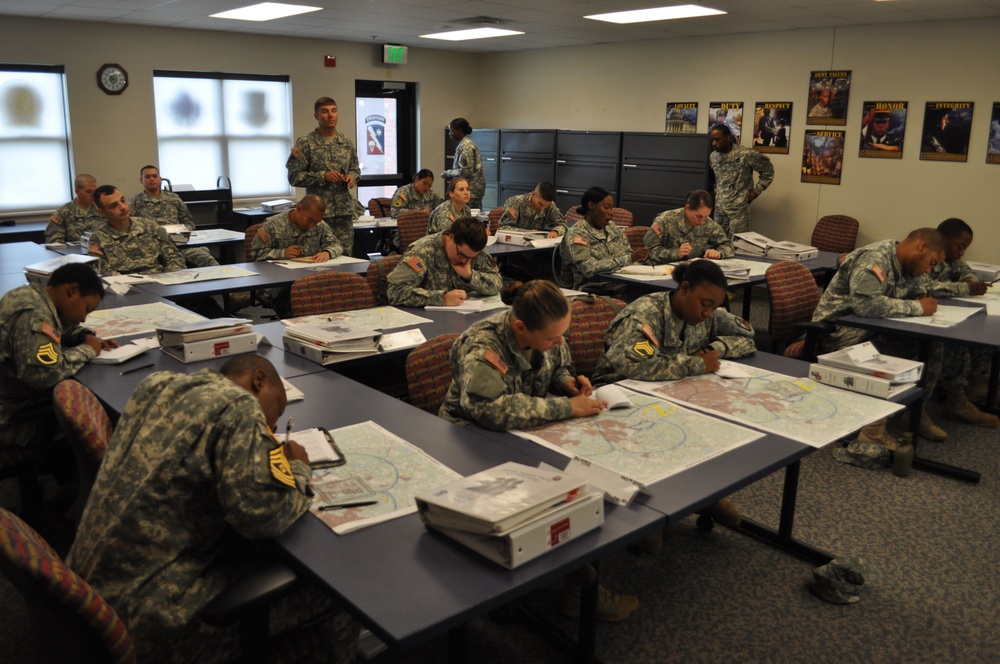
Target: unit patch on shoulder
(648,331)
(743,323)
(416,264)
(658,229)
(50,332)
(643,348)
(54,219)
(579,239)
(512,212)
(264,235)
(47,354)
(281,468)
(296,152)
(493,358)
(879,273)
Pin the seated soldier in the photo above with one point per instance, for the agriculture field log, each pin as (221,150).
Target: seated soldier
(534,211)
(687,232)
(456,207)
(77,217)
(594,245)
(127,244)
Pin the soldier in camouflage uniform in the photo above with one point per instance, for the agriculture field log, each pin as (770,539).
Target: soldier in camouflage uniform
(456,207)
(166,208)
(734,166)
(595,245)
(675,334)
(78,216)
(418,195)
(130,245)
(468,163)
(687,232)
(325,163)
(191,476)
(298,233)
(534,212)
(41,343)
(442,269)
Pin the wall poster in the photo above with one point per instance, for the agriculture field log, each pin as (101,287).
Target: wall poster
(993,147)
(828,94)
(682,117)
(883,124)
(947,126)
(772,121)
(822,156)
(729,113)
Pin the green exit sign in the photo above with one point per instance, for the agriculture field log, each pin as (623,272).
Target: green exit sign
(394,55)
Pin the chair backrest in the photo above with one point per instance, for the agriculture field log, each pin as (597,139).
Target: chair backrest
(794,295)
(427,374)
(562,274)
(70,621)
(251,233)
(572,216)
(378,277)
(412,226)
(621,217)
(88,429)
(635,234)
(835,232)
(494,216)
(327,292)
(591,316)
(379,207)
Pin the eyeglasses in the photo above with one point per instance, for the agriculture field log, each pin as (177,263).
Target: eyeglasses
(462,255)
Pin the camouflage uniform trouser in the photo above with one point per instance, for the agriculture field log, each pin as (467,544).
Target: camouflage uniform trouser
(198,257)
(737,221)
(961,365)
(343,229)
(888,344)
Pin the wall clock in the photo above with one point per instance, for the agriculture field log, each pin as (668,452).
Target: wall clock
(112,78)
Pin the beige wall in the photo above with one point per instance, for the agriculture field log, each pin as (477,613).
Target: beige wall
(602,87)
(626,87)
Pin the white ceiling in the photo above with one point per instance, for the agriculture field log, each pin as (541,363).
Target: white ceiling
(546,23)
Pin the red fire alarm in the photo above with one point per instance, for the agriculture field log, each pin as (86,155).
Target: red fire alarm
(329,60)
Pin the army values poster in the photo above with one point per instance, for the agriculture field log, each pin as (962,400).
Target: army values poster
(822,156)
(772,125)
(828,93)
(883,124)
(993,147)
(945,135)
(729,113)
(682,117)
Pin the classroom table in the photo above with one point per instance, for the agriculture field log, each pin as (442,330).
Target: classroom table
(231,244)
(15,255)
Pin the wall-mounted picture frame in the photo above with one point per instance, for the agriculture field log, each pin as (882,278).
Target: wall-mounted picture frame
(823,156)
(946,131)
(729,113)
(682,117)
(828,95)
(772,123)
(883,126)
(993,145)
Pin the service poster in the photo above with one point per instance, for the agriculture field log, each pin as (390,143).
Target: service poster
(822,156)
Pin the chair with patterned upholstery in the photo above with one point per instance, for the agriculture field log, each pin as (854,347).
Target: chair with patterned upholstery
(621,217)
(88,429)
(572,216)
(835,232)
(412,226)
(327,292)
(251,233)
(428,376)
(380,207)
(589,321)
(793,295)
(70,622)
(635,234)
(378,275)
(494,216)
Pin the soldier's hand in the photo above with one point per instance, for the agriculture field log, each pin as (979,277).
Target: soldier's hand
(293,251)
(752,197)
(453,298)
(578,386)
(350,182)
(928,304)
(296,452)
(684,250)
(95,343)
(333,176)
(712,253)
(464,270)
(321,257)
(586,407)
(553,235)
(978,287)
(710,357)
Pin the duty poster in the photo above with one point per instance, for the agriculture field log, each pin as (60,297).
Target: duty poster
(729,113)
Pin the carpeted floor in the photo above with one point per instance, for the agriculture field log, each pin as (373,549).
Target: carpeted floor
(721,597)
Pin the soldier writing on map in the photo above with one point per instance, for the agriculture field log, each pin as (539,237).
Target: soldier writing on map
(676,334)
(512,371)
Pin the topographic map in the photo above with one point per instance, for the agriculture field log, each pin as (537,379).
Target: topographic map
(190,275)
(138,319)
(649,441)
(396,470)
(797,408)
(379,318)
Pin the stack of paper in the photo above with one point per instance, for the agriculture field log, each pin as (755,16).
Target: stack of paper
(750,244)
(39,273)
(755,244)
(864,358)
(326,343)
(521,238)
(278,205)
(985,271)
(178,233)
(204,340)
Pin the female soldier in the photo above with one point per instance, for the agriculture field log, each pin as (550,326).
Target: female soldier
(419,195)
(456,207)
(468,162)
(594,245)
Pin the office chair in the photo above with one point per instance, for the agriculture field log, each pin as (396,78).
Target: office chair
(590,319)
(494,216)
(428,376)
(380,207)
(635,235)
(88,430)
(328,292)
(835,232)
(621,217)
(793,296)
(572,216)
(378,277)
(412,226)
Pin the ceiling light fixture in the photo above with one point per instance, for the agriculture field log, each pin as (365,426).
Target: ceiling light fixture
(471,33)
(656,14)
(266,11)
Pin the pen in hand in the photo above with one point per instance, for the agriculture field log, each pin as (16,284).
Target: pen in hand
(134,369)
(288,429)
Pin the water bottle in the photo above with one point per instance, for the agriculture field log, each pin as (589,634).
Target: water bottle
(902,460)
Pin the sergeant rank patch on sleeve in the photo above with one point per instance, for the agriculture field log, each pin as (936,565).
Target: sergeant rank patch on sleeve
(281,468)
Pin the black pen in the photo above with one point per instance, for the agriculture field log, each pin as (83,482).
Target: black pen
(364,503)
(134,369)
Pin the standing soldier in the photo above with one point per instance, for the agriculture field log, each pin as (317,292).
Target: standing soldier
(734,166)
(78,216)
(468,162)
(325,163)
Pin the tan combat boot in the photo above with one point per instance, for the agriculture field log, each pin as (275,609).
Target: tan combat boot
(876,434)
(959,408)
(927,430)
(723,512)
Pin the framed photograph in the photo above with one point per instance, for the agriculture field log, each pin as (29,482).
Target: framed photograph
(682,117)
(993,147)
(822,156)
(883,124)
(729,113)
(772,125)
(947,126)
(828,94)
